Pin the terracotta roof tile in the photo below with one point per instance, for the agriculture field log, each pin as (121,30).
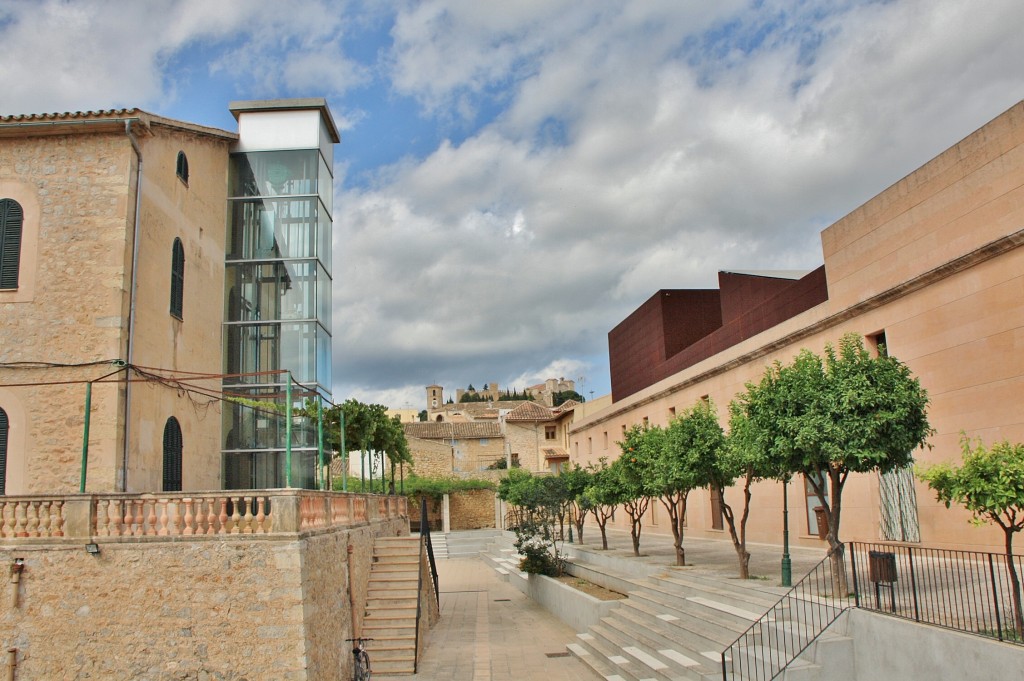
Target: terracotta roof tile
(530,411)
(447,430)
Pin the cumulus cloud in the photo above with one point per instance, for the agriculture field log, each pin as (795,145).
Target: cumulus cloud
(562,160)
(638,146)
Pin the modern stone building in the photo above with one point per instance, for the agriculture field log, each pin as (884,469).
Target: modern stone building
(932,268)
(115,251)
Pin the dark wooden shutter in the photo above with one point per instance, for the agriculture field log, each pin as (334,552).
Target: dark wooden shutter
(172,456)
(11,217)
(177,279)
(4,428)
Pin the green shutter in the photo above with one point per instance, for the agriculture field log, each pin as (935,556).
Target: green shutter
(177,279)
(11,217)
(172,456)
(4,428)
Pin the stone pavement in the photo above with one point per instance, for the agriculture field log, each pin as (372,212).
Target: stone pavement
(489,630)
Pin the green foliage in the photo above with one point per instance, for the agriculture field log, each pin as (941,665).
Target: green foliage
(829,416)
(538,505)
(564,395)
(422,416)
(989,484)
(435,488)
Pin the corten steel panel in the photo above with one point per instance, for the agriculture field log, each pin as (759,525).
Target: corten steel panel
(743,292)
(667,322)
(633,371)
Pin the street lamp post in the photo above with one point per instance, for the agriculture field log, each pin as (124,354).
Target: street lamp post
(787,564)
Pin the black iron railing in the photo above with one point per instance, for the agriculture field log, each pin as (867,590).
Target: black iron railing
(425,543)
(790,626)
(967,591)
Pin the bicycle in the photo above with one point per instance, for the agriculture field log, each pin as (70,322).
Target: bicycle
(361,659)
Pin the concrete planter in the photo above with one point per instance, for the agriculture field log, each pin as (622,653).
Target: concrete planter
(575,608)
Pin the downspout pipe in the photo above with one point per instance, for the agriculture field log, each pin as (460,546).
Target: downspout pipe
(132,293)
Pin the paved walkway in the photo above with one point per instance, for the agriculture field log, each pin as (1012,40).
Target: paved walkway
(490,631)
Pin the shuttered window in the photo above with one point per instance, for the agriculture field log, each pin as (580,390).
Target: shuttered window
(4,428)
(177,279)
(182,168)
(172,456)
(11,217)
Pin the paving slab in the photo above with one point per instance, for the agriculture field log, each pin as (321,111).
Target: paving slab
(490,631)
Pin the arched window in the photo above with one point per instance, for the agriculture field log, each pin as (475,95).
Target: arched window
(182,167)
(11,216)
(172,456)
(5,426)
(177,278)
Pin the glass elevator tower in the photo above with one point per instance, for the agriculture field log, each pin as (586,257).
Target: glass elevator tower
(277,291)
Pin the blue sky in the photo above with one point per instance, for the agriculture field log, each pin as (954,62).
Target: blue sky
(515,178)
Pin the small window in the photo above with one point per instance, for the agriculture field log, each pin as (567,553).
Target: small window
(590,445)
(671,413)
(4,428)
(878,342)
(484,441)
(11,217)
(606,439)
(177,279)
(647,422)
(549,432)
(182,167)
(172,456)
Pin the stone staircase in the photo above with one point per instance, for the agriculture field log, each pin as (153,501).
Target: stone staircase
(675,622)
(674,625)
(392,596)
(467,543)
(439,541)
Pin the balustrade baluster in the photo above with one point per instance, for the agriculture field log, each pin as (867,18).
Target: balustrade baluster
(151,527)
(163,519)
(223,529)
(188,530)
(57,523)
(248,517)
(236,517)
(6,520)
(129,519)
(261,516)
(32,524)
(45,520)
(19,519)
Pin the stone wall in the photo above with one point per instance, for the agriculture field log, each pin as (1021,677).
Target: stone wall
(472,510)
(430,458)
(227,608)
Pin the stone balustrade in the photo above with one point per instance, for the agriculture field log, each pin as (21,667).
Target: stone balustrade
(188,514)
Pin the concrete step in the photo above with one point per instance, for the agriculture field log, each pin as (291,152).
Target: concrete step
(644,661)
(604,658)
(733,592)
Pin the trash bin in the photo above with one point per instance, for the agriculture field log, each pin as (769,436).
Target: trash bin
(881,566)
(822,517)
(882,572)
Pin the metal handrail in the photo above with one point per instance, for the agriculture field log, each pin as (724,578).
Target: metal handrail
(968,591)
(424,543)
(771,643)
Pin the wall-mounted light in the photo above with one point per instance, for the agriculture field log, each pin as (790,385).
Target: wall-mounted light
(92,549)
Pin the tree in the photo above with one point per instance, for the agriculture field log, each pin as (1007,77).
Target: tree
(638,449)
(576,480)
(827,417)
(422,415)
(564,395)
(538,504)
(686,460)
(603,495)
(989,484)
(740,458)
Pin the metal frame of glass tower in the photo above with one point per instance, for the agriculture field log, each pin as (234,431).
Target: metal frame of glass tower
(277,291)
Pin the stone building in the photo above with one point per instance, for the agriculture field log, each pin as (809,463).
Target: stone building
(932,268)
(115,251)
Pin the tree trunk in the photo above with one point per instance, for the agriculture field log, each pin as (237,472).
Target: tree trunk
(739,535)
(676,515)
(578,521)
(1018,612)
(837,550)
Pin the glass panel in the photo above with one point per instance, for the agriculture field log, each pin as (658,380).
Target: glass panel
(250,349)
(326,187)
(274,228)
(271,291)
(323,359)
(323,297)
(256,422)
(298,350)
(274,173)
(265,470)
(324,242)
